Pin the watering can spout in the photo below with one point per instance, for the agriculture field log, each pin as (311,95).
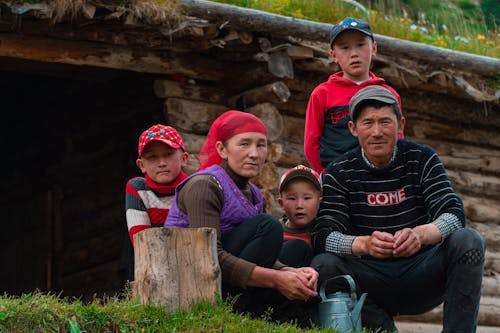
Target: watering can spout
(356,312)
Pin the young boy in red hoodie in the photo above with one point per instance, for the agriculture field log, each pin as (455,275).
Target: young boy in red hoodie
(326,134)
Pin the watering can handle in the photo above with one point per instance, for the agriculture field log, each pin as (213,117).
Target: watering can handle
(348,278)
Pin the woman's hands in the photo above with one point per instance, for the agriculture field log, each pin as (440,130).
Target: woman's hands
(297,283)
(293,283)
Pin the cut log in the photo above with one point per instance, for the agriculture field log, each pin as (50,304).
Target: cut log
(192,142)
(268,177)
(245,37)
(409,327)
(460,156)
(410,75)
(299,52)
(489,308)
(176,267)
(475,184)
(276,92)
(425,127)
(291,154)
(491,286)
(489,231)
(294,107)
(492,261)
(168,88)
(192,116)
(271,117)
(478,115)
(294,130)
(481,209)
(244,77)
(274,152)
(318,65)
(280,64)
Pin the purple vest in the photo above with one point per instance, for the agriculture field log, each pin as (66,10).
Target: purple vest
(236,209)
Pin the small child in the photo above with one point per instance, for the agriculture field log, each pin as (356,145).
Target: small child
(161,157)
(300,196)
(326,134)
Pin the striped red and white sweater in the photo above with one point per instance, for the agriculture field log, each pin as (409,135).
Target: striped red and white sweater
(147,203)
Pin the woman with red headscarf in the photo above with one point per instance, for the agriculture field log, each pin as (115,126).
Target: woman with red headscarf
(219,195)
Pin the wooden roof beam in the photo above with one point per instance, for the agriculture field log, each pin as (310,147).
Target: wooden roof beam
(109,56)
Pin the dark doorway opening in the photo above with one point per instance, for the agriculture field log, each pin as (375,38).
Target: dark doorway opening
(69,142)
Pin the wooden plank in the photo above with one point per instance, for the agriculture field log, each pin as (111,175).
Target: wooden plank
(169,88)
(464,156)
(481,209)
(175,267)
(489,308)
(192,116)
(271,117)
(431,129)
(490,232)
(475,184)
(294,130)
(409,327)
(275,92)
(421,105)
(109,56)
(492,261)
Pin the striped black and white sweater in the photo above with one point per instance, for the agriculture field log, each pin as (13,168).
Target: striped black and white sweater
(358,198)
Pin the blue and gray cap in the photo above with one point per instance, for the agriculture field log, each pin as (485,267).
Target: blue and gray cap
(350,23)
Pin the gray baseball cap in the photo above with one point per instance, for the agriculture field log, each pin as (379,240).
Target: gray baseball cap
(373,92)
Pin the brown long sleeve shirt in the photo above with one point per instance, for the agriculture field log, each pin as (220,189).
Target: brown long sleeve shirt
(201,199)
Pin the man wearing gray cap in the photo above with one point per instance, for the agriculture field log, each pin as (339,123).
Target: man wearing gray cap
(390,219)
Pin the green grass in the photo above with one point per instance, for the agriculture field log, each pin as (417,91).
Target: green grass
(446,25)
(39,312)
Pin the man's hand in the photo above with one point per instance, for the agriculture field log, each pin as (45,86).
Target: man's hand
(407,242)
(379,245)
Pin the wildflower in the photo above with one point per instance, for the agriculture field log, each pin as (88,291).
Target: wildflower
(481,37)
(423,29)
(462,39)
(413,27)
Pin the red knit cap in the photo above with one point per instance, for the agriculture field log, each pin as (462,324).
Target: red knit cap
(227,125)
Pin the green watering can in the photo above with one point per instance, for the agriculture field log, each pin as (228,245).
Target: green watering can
(340,309)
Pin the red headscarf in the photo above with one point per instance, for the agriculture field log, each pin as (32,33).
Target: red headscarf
(227,125)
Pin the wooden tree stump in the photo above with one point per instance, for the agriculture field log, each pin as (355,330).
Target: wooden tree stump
(176,267)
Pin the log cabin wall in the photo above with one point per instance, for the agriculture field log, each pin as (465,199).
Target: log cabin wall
(225,58)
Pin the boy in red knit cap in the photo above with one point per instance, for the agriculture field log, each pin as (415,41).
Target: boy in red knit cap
(161,157)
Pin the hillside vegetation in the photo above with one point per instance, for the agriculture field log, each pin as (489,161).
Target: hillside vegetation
(458,25)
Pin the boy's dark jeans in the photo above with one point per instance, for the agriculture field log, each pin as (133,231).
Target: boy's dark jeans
(451,271)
